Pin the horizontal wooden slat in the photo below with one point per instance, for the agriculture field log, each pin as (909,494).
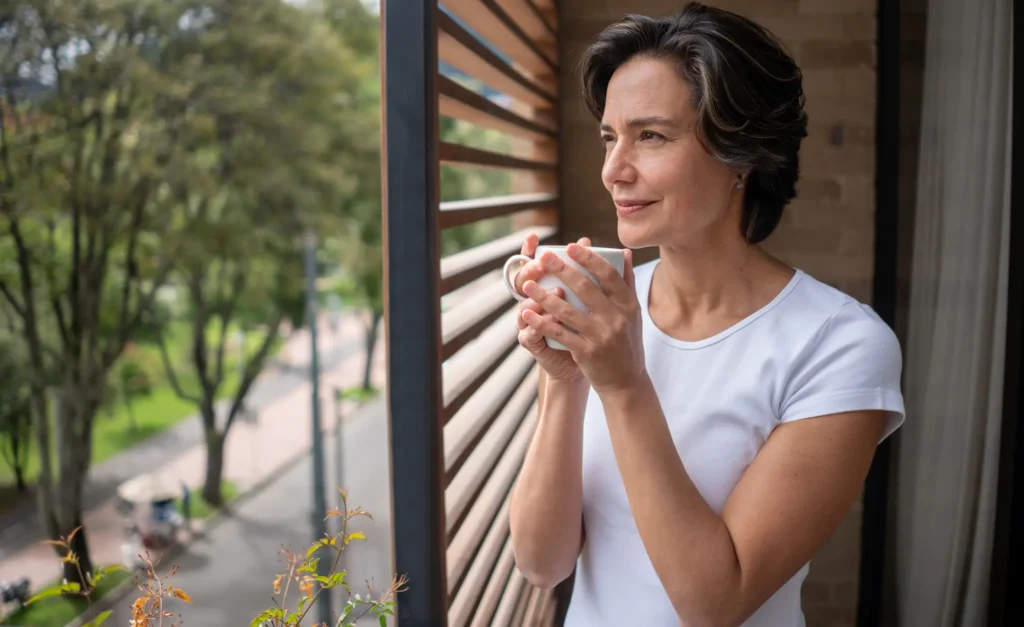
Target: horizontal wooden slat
(491,23)
(510,384)
(454,298)
(478,520)
(510,599)
(548,10)
(460,49)
(461,324)
(488,455)
(457,154)
(461,103)
(546,609)
(459,212)
(463,267)
(485,611)
(548,17)
(466,375)
(519,618)
(468,573)
(531,617)
(530,20)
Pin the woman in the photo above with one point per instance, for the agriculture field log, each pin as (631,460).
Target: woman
(717,411)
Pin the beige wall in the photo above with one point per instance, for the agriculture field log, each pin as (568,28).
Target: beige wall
(828,231)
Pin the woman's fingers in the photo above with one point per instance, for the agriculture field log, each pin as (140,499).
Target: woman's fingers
(530,245)
(528,304)
(532,271)
(532,305)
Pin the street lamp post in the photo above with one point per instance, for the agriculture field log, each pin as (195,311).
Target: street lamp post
(319,493)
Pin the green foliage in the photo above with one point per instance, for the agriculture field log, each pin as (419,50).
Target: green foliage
(15,410)
(59,609)
(359,394)
(200,509)
(308,574)
(63,600)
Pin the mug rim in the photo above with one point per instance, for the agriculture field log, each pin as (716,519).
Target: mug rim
(596,249)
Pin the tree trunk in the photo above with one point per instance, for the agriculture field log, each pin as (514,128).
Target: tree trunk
(19,475)
(132,423)
(80,547)
(371,344)
(212,493)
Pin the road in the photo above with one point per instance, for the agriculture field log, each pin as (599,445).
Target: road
(230,572)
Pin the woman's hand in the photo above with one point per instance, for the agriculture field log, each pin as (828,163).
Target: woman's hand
(558,364)
(607,343)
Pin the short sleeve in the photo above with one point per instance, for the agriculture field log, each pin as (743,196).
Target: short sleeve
(853,363)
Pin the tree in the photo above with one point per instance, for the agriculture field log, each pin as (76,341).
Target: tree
(94,120)
(15,410)
(359,247)
(133,381)
(281,157)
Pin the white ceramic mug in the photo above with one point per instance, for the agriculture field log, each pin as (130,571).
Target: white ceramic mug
(614,256)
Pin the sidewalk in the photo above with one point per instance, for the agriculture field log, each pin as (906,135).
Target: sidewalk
(254,451)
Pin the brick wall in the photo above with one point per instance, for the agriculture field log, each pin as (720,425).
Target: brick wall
(828,231)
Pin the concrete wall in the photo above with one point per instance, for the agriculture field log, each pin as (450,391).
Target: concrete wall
(828,231)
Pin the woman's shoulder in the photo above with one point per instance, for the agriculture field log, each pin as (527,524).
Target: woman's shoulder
(826,310)
(839,329)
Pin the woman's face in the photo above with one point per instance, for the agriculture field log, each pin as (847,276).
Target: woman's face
(668,191)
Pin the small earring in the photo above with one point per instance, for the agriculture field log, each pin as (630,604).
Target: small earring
(739,181)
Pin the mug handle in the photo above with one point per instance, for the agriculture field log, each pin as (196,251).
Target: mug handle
(509,285)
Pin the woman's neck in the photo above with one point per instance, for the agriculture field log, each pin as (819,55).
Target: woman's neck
(698,288)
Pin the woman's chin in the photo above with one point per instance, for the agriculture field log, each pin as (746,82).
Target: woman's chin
(634,235)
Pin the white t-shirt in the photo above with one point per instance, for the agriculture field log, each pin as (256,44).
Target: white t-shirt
(811,351)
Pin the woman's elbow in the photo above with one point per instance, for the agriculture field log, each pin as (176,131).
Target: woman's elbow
(539,569)
(545,578)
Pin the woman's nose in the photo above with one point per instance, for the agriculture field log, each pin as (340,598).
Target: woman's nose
(618,167)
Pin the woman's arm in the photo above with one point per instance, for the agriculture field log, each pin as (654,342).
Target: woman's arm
(718,570)
(547,501)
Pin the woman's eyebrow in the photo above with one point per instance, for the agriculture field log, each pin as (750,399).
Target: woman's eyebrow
(652,120)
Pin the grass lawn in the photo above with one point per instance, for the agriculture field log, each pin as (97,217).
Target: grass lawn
(114,433)
(114,430)
(200,508)
(62,610)
(358,394)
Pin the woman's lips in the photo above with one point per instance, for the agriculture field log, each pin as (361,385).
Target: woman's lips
(626,208)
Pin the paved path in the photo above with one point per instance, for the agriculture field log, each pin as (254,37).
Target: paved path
(253,451)
(229,572)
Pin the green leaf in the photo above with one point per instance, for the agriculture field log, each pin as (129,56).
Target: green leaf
(357,535)
(271,614)
(383,620)
(99,620)
(45,594)
(106,570)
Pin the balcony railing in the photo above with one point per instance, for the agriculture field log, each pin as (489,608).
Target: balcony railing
(462,394)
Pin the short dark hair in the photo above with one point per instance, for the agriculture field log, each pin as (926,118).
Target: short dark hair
(747,90)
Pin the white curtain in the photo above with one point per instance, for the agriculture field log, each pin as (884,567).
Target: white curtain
(949,446)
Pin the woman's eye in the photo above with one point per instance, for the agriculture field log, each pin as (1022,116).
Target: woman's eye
(607,139)
(646,135)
